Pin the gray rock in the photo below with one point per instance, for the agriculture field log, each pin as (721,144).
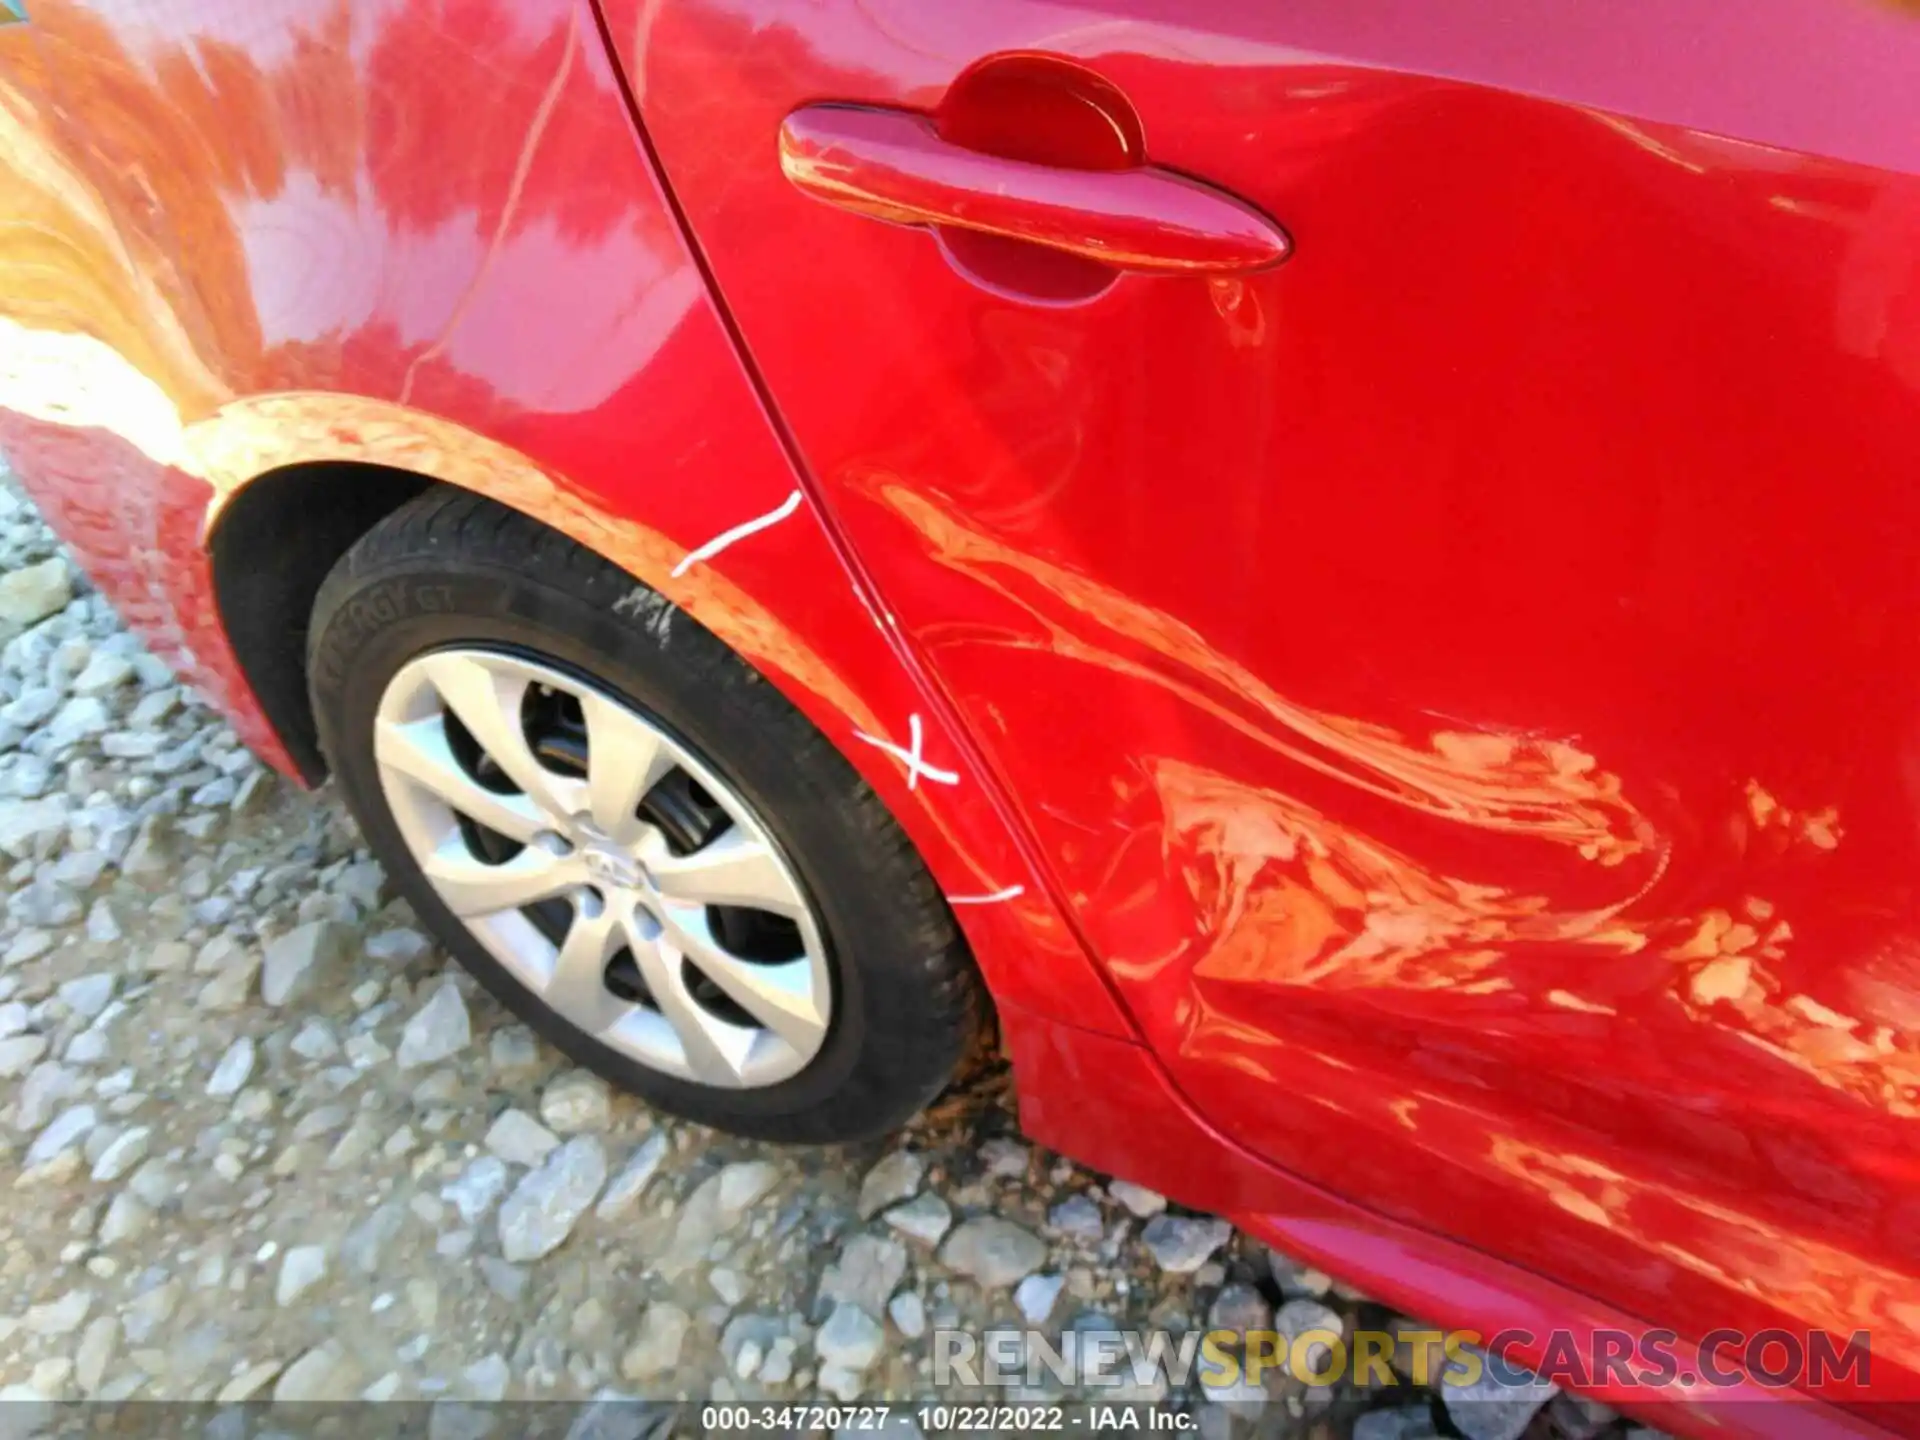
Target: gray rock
(31,593)
(146,1313)
(104,924)
(1298,1318)
(439,1029)
(777,1368)
(62,1316)
(865,1273)
(234,1068)
(544,1207)
(995,1253)
(482,1183)
(746,1342)
(66,1130)
(103,675)
(247,1384)
(908,1313)
(924,1218)
(631,1182)
(519,1139)
(396,947)
(575,1102)
(230,988)
(1035,1296)
(514,1052)
(728,1284)
(127,1150)
(486,1380)
(27,827)
(509,1282)
(1006,1159)
(1297,1281)
(295,961)
(32,706)
(79,719)
(850,1340)
(656,1348)
(362,884)
(323,1373)
(1499,1404)
(1078,1218)
(717,1204)
(315,1041)
(1138,1199)
(1239,1307)
(1181,1244)
(95,1353)
(29,944)
(88,995)
(744,1183)
(897,1177)
(304,1267)
(125,1219)
(46,1085)
(155,1183)
(19,1053)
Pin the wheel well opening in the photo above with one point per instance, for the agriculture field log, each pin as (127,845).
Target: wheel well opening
(273,545)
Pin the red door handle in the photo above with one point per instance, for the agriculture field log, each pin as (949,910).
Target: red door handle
(892,165)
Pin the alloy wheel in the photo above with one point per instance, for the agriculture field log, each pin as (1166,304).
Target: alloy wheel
(605,865)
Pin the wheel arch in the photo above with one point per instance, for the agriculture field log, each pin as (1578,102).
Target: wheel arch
(271,460)
(268,552)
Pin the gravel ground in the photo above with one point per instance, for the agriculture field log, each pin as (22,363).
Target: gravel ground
(265,1142)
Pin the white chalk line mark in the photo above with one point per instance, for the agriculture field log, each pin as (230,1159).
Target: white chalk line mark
(911,757)
(739,532)
(1012,892)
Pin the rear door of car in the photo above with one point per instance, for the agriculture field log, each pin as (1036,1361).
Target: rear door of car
(1462,678)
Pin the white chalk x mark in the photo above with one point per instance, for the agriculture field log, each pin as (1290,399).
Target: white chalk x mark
(911,757)
(1012,892)
(739,532)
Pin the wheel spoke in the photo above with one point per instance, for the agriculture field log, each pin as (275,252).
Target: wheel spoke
(471,887)
(734,869)
(418,750)
(626,757)
(782,996)
(577,988)
(583,856)
(488,704)
(716,1052)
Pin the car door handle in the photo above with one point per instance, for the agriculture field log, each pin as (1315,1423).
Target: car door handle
(892,165)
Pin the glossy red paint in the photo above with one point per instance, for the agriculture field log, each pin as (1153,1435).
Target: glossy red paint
(1433,723)
(1106,1101)
(1461,680)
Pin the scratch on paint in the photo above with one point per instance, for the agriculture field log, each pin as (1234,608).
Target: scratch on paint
(911,757)
(739,532)
(1012,892)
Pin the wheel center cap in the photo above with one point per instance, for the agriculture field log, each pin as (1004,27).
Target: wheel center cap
(610,867)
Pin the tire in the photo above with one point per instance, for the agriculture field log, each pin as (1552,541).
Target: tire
(453,580)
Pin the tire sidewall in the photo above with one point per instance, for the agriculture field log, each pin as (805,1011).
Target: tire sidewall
(638,647)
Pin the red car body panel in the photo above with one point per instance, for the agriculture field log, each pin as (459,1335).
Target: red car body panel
(1458,678)
(1432,723)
